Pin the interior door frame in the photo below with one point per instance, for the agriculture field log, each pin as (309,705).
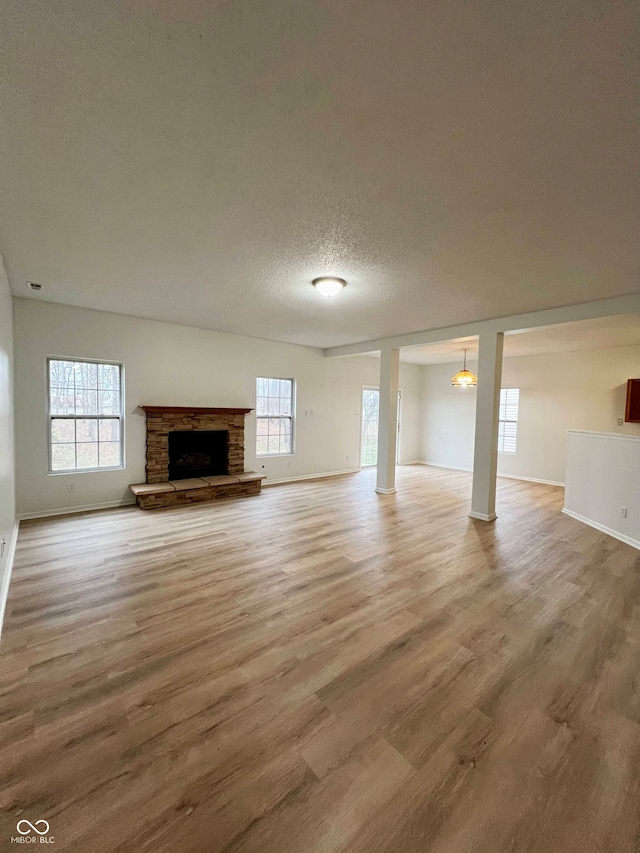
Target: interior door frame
(366,387)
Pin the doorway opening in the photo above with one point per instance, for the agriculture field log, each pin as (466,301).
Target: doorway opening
(369,429)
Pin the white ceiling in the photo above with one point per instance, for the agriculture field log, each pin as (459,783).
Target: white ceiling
(201,161)
(603,333)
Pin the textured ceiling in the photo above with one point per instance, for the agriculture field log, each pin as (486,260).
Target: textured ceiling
(202,161)
(603,333)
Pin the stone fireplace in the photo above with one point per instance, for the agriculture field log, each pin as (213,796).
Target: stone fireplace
(194,454)
(165,420)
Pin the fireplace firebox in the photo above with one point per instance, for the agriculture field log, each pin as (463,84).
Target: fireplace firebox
(198,453)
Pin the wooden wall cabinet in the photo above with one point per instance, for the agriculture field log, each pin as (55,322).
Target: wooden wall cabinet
(632,410)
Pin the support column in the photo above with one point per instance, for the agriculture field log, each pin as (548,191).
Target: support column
(388,421)
(485,457)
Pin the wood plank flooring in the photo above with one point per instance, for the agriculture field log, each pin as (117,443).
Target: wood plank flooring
(323,669)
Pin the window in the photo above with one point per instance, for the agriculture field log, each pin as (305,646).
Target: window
(370,413)
(274,410)
(508,416)
(85,415)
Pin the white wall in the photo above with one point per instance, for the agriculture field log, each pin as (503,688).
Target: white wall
(603,476)
(560,391)
(8,527)
(178,365)
(447,424)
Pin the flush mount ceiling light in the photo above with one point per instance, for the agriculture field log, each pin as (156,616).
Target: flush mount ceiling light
(328,286)
(465,378)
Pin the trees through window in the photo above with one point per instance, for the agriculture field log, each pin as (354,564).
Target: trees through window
(274,416)
(85,415)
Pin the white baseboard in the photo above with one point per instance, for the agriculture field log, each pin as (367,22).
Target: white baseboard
(482,516)
(446,467)
(508,476)
(532,480)
(69,510)
(602,528)
(385,491)
(8,568)
(309,477)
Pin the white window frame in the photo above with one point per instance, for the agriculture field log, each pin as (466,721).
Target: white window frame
(506,420)
(291,417)
(51,416)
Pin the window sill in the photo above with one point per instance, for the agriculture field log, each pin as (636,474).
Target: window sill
(86,470)
(273,455)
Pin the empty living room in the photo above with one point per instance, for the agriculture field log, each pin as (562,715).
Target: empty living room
(320,426)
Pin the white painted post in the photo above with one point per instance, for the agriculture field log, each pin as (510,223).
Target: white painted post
(388,421)
(485,457)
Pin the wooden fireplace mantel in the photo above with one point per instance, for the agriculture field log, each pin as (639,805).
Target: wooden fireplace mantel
(193,410)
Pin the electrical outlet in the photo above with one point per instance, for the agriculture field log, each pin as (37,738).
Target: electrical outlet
(2,544)
(70,487)
(288,463)
(620,422)
(347,458)
(623,511)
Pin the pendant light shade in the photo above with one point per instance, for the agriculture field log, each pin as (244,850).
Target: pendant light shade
(465,378)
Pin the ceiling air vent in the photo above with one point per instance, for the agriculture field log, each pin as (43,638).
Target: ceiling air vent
(33,285)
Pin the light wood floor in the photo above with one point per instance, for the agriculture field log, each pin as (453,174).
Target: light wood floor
(322,669)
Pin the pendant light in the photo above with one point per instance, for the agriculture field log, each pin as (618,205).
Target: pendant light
(465,378)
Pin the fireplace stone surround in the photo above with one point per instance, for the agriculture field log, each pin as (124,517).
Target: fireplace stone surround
(161,488)
(161,420)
